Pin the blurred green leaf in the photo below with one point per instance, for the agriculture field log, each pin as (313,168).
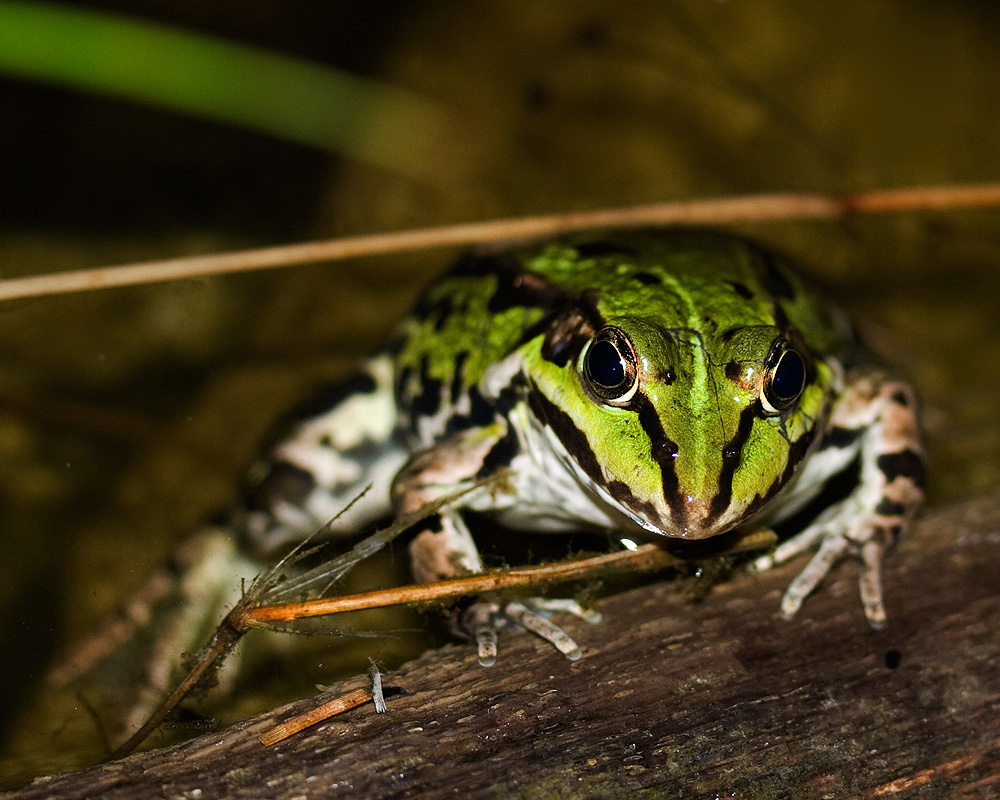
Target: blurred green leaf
(219,80)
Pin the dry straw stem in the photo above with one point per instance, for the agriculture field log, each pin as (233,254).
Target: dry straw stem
(331,708)
(644,558)
(730,210)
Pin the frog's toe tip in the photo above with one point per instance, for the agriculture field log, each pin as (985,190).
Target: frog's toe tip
(876,618)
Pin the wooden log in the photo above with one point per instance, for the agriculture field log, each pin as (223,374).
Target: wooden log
(719,698)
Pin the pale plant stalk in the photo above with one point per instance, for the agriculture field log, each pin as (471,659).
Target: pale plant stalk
(730,210)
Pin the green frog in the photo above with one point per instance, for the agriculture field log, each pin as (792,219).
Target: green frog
(659,385)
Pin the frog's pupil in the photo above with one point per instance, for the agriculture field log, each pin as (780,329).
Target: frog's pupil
(604,363)
(789,376)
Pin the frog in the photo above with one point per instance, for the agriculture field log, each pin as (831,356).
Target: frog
(660,385)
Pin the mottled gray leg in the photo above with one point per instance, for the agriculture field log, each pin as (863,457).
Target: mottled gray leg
(306,480)
(325,462)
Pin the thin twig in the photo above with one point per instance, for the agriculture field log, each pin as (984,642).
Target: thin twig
(329,709)
(646,558)
(750,208)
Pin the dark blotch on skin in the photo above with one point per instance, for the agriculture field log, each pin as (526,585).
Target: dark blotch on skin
(428,402)
(432,524)
(565,337)
(905,463)
(900,398)
(284,483)
(598,248)
(741,289)
(734,371)
(457,380)
(888,508)
(519,289)
(841,437)
(647,278)
(331,396)
(770,277)
(481,412)
(500,455)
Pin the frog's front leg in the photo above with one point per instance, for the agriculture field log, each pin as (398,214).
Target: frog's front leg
(445,548)
(875,421)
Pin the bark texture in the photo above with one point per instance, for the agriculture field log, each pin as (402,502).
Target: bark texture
(672,698)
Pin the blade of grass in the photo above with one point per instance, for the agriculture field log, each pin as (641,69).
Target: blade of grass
(197,74)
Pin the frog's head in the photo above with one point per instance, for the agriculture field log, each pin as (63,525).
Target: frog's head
(690,416)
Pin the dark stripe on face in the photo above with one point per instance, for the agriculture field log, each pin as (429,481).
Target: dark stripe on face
(623,493)
(796,454)
(663,451)
(732,457)
(565,429)
(905,463)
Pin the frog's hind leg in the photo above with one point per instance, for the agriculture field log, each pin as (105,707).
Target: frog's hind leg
(331,455)
(344,456)
(876,422)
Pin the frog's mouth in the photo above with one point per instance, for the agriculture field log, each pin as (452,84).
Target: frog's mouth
(698,520)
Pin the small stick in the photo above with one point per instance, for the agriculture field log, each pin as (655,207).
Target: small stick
(727,210)
(329,709)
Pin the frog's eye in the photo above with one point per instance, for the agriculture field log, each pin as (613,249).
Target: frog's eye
(609,367)
(784,378)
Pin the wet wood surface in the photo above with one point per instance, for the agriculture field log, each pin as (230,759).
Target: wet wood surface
(672,698)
